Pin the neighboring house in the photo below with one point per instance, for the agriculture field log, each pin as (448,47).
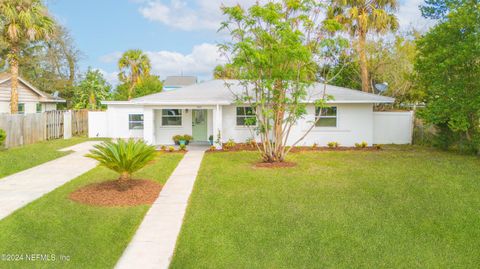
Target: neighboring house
(30,99)
(175,82)
(209,108)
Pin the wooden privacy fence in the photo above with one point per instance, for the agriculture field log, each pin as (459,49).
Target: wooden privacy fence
(31,128)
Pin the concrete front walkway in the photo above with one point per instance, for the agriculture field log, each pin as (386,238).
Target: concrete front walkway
(21,188)
(154,242)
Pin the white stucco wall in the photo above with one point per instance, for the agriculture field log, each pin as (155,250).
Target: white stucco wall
(393,127)
(117,121)
(97,124)
(354,124)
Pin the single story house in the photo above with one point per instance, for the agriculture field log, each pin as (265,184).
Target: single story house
(176,82)
(208,108)
(30,99)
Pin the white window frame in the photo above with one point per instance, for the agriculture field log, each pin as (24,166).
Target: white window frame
(131,121)
(245,117)
(319,116)
(180,115)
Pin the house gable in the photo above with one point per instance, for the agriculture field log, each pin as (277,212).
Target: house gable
(25,93)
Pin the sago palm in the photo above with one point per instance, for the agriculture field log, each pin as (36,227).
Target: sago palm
(133,66)
(123,157)
(22,21)
(360,17)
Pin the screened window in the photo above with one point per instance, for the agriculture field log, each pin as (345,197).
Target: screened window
(135,121)
(246,116)
(171,117)
(328,117)
(21,108)
(39,108)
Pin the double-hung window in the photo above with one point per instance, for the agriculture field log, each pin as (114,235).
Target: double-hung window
(246,116)
(135,121)
(326,117)
(171,117)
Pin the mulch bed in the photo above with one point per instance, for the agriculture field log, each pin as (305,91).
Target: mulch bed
(118,194)
(275,165)
(249,147)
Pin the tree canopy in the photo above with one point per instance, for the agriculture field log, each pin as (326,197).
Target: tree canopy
(91,90)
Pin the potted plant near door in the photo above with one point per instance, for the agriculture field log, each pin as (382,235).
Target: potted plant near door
(182,139)
(210,138)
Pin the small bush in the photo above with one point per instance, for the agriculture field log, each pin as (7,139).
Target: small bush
(230,144)
(314,146)
(171,148)
(251,142)
(333,144)
(3,136)
(187,138)
(177,138)
(183,148)
(379,146)
(213,148)
(163,148)
(361,145)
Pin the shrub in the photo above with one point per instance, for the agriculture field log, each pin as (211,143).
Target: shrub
(183,148)
(333,144)
(230,144)
(361,145)
(3,136)
(171,148)
(177,138)
(187,138)
(251,142)
(314,146)
(379,146)
(123,157)
(163,148)
(213,148)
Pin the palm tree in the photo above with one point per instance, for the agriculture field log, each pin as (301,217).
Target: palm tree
(21,22)
(134,65)
(123,157)
(360,17)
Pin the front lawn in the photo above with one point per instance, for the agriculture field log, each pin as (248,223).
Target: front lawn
(401,207)
(91,237)
(21,158)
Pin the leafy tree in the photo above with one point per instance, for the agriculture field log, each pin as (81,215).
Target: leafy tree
(22,21)
(362,17)
(134,65)
(274,47)
(448,70)
(123,157)
(52,65)
(226,71)
(148,85)
(91,90)
(438,9)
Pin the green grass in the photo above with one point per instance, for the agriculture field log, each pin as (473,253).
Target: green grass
(398,208)
(93,237)
(21,158)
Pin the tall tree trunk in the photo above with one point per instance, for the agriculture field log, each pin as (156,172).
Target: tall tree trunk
(14,73)
(363,61)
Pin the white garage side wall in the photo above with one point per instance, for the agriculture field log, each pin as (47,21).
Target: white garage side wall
(393,127)
(354,125)
(97,124)
(117,121)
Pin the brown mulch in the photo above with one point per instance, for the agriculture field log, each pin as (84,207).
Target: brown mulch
(249,147)
(275,165)
(118,193)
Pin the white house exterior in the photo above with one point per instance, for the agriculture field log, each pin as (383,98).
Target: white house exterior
(208,108)
(30,99)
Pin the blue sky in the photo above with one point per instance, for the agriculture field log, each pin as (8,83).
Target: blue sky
(179,36)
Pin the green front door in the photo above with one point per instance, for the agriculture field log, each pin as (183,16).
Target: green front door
(199,125)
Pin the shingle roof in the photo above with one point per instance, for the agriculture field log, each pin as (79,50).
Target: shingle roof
(217,92)
(179,81)
(46,96)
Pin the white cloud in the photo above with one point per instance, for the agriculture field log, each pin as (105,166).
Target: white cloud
(199,62)
(203,14)
(111,57)
(409,15)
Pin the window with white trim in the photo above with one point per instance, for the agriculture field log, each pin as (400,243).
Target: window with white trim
(21,108)
(135,121)
(326,117)
(171,117)
(246,116)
